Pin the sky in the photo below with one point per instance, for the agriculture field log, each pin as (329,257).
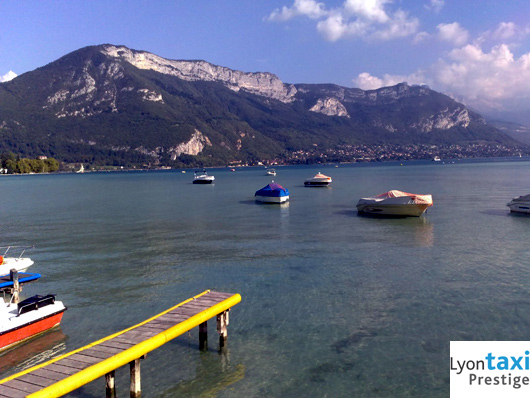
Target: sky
(477,49)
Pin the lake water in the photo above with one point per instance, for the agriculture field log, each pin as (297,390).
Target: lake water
(333,304)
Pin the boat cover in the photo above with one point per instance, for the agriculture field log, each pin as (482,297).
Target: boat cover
(418,199)
(272,190)
(523,198)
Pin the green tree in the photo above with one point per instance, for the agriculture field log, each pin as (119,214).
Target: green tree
(52,164)
(11,166)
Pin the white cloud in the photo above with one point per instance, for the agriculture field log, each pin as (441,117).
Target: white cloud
(371,10)
(367,19)
(421,37)
(496,76)
(366,81)
(8,76)
(308,8)
(505,30)
(435,5)
(453,33)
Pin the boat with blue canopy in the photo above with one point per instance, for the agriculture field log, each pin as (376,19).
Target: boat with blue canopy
(272,193)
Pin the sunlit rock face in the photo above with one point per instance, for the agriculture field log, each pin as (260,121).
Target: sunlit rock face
(265,84)
(330,106)
(194,146)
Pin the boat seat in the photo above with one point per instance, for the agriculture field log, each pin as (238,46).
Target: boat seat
(35,302)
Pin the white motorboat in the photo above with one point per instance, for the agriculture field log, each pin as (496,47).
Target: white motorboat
(12,259)
(520,204)
(395,203)
(202,177)
(319,180)
(271,172)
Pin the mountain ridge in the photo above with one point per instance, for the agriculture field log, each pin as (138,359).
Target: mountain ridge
(110,104)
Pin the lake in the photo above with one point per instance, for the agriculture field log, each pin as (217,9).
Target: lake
(333,304)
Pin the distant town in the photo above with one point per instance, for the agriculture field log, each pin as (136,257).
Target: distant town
(386,152)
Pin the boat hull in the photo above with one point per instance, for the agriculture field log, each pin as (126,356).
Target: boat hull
(519,207)
(317,183)
(20,264)
(203,181)
(31,324)
(271,199)
(399,210)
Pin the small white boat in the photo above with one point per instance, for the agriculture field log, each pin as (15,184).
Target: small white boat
(271,172)
(272,193)
(319,180)
(12,259)
(395,203)
(202,177)
(520,204)
(436,159)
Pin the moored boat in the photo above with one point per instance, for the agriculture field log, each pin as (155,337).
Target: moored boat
(28,318)
(271,172)
(202,177)
(520,204)
(12,259)
(395,203)
(272,193)
(319,180)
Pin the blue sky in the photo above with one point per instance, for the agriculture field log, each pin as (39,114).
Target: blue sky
(476,48)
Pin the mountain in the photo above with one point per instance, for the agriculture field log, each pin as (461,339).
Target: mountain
(109,104)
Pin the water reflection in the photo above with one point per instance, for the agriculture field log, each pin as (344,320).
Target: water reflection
(214,373)
(34,351)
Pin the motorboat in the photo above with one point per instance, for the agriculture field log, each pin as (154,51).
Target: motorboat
(520,204)
(272,193)
(319,180)
(271,172)
(21,320)
(12,259)
(28,318)
(395,203)
(202,177)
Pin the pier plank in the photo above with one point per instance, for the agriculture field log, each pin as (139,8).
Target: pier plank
(9,392)
(27,388)
(37,380)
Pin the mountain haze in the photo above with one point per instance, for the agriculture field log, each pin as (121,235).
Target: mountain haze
(109,104)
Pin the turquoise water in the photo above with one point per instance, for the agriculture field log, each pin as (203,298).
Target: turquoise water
(333,304)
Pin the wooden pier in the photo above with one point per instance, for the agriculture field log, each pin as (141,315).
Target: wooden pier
(68,372)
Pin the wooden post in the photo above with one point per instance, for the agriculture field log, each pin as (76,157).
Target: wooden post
(13,275)
(222,323)
(136,385)
(203,336)
(110,387)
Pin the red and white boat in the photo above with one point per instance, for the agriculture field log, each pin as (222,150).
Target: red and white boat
(28,318)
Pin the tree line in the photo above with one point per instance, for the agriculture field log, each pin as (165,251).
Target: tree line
(13,164)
